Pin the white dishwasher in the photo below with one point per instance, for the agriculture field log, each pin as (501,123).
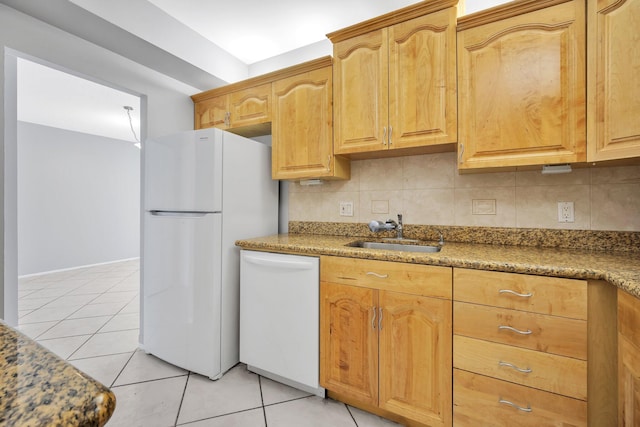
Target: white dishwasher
(280,318)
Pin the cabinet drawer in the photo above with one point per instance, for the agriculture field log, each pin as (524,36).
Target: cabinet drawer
(551,334)
(545,295)
(557,374)
(413,279)
(477,402)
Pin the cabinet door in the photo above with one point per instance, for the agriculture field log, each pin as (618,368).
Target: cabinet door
(614,81)
(360,93)
(521,86)
(302,139)
(349,341)
(250,106)
(628,360)
(415,357)
(212,113)
(422,76)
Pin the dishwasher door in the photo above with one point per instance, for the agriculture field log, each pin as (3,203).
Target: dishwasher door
(280,318)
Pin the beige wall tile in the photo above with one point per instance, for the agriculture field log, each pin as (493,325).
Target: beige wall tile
(491,179)
(505,207)
(305,207)
(367,198)
(615,207)
(352,184)
(429,171)
(537,206)
(381,174)
(579,176)
(429,207)
(620,174)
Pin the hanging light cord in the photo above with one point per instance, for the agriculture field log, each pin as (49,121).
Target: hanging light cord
(129,109)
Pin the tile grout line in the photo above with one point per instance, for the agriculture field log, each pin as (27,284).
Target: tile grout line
(184,392)
(264,411)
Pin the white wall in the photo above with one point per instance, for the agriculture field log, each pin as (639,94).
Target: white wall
(168,109)
(78,199)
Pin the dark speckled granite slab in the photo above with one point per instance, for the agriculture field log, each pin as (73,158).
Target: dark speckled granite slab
(620,268)
(40,389)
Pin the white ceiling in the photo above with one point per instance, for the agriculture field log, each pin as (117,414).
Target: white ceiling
(225,39)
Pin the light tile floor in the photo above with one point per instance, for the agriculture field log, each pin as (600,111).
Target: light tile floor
(90,317)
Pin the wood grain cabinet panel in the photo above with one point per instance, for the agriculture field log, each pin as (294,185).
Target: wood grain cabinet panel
(395,87)
(521,89)
(302,128)
(349,341)
(613,79)
(250,106)
(628,360)
(415,349)
(385,351)
(212,112)
(484,401)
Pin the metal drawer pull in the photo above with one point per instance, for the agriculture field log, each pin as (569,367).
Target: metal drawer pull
(519,408)
(509,291)
(381,276)
(384,135)
(527,332)
(380,320)
(510,365)
(373,319)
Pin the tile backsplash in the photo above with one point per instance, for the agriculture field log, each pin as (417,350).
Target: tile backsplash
(427,189)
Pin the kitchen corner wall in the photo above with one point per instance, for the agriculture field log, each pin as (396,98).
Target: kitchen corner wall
(428,190)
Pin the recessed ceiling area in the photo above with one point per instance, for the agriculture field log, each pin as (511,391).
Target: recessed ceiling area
(50,97)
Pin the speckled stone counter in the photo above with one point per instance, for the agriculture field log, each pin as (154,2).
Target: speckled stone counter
(40,389)
(621,269)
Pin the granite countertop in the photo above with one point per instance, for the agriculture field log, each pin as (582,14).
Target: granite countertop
(621,269)
(40,389)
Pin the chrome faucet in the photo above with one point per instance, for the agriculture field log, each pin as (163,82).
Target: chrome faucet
(389,224)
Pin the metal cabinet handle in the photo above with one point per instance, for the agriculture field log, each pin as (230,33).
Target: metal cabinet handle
(519,408)
(384,135)
(510,365)
(517,331)
(510,292)
(390,132)
(461,153)
(373,318)
(227,118)
(329,163)
(380,276)
(380,320)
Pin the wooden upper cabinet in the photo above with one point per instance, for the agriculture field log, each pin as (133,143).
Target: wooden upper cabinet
(250,106)
(395,85)
(521,86)
(212,112)
(613,79)
(302,128)
(422,81)
(360,93)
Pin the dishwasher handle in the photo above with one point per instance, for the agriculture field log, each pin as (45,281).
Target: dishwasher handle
(287,264)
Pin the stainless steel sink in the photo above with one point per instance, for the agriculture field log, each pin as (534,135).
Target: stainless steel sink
(404,245)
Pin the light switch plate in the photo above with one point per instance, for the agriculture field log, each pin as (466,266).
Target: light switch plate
(346,208)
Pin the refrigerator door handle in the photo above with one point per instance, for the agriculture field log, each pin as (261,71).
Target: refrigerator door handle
(180,214)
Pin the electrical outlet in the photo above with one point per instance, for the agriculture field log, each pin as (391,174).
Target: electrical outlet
(346,208)
(565,212)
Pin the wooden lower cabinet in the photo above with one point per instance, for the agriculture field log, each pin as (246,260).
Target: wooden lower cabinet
(484,401)
(387,352)
(628,360)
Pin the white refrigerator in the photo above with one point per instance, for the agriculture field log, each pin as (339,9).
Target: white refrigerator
(203,190)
